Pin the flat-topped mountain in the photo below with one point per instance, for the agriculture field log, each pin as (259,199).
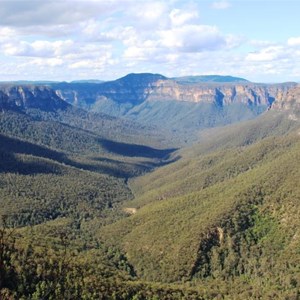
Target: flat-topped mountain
(209,78)
(128,89)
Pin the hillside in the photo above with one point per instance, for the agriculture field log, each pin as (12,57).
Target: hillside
(223,212)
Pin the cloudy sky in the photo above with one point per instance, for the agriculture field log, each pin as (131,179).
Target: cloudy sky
(107,39)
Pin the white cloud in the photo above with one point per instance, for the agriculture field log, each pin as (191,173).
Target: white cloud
(272,53)
(47,62)
(39,48)
(105,38)
(179,17)
(193,38)
(221,4)
(294,41)
(147,15)
(93,64)
(6,33)
(52,12)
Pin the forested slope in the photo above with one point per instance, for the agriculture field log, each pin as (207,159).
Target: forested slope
(221,214)
(219,222)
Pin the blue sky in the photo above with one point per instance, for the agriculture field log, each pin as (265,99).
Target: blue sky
(96,39)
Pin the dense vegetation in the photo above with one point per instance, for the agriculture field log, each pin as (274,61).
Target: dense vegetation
(219,222)
(224,216)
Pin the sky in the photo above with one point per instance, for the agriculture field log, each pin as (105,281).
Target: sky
(65,40)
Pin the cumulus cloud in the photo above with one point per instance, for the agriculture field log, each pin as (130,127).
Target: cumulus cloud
(179,17)
(39,48)
(47,62)
(294,41)
(52,12)
(147,15)
(7,33)
(269,54)
(90,64)
(193,38)
(69,39)
(221,4)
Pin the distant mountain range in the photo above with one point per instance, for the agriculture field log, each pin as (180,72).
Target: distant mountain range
(187,103)
(209,78)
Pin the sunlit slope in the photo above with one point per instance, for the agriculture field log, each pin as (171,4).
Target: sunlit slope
(218,216)
(221,154)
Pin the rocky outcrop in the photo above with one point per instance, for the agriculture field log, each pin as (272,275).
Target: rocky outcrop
(18,97)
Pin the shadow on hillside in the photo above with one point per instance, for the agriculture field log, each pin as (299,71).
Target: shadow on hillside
(147,158)
(134,150)
(121,169)
(13,145)
(9,163)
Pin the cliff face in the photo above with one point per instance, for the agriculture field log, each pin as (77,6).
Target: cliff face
(153,99)
(221,94)
(135,89)
(290,101)
(131,89)
(26,97)
(156,100)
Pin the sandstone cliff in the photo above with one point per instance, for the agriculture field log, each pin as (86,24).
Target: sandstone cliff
(19,97)
(221,94)
(134,89)
(290,101)
(156,100)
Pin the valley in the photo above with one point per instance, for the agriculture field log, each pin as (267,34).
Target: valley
(148,187)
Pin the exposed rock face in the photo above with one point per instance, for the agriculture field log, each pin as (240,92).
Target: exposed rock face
(221,94)
(26,97)
(290,104)
(131,89)
(153,99)
(289,101)
(156,100)
(134,89)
